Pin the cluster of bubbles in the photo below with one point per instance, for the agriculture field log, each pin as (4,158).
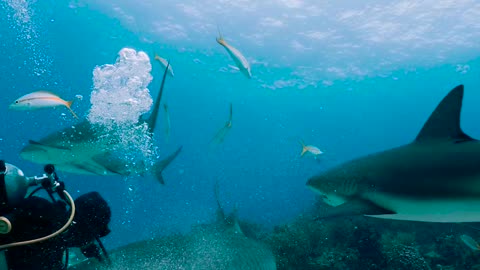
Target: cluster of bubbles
(120,94)
(28,37)
(119,98)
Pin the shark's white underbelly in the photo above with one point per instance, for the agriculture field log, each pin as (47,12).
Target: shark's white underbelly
(434,210)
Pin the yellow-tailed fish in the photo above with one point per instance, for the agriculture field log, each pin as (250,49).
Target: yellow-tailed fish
(164,63)
(40,100)
(220,135)
(310,149)
(237,57)
(167,122)
(470,242)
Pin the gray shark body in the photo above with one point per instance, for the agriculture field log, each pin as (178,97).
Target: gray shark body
(218,245)
(80,149)
(436,178)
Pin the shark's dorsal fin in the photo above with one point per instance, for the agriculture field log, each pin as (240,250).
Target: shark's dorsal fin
(162,164)
(152,120)
(236,224)
(220,211)
(444,122)
(230,222)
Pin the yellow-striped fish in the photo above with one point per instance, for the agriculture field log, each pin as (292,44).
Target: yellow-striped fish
(237,57)
(40,100)
(310,149)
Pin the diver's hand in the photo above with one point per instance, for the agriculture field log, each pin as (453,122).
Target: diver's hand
(60,188)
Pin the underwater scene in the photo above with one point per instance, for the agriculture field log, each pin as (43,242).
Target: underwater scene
(215,134)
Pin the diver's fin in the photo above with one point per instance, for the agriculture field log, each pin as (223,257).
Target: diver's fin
(444,122)
(354,207)
(162,164)
(48,146)
(152,120)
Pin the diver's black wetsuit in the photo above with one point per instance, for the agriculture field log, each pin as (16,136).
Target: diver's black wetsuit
(37,217)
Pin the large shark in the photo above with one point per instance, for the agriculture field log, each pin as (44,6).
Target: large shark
(218,245)
(436,178)
(80,149)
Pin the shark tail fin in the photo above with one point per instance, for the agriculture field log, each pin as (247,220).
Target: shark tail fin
(162,164)
(444,122)
(152,120)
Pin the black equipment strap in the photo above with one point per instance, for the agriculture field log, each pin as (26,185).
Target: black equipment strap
(3,189)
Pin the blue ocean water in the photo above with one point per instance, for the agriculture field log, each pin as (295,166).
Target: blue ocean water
(349,91)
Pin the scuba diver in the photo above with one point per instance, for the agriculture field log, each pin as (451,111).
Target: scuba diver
(36,233)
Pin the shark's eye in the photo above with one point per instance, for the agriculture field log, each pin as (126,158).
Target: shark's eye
(16,101)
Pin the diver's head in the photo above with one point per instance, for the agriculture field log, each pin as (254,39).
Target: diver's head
(14,185)
(91,219)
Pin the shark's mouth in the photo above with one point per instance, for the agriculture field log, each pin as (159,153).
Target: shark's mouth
(332,199)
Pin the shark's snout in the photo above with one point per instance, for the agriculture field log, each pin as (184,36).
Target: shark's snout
(313,184)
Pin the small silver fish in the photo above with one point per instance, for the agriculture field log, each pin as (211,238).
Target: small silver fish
(164,63)
(470,242)
(220,135)
(237,57)
(40,100)
(310,149)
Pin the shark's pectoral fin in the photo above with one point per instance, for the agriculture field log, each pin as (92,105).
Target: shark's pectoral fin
(354,207)
(444,122)
(84,166)
(45,146)
(111,163)
(160,179)
(162,164)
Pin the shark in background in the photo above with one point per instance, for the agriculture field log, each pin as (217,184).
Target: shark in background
(436,178)
(219,245)
(80,149)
